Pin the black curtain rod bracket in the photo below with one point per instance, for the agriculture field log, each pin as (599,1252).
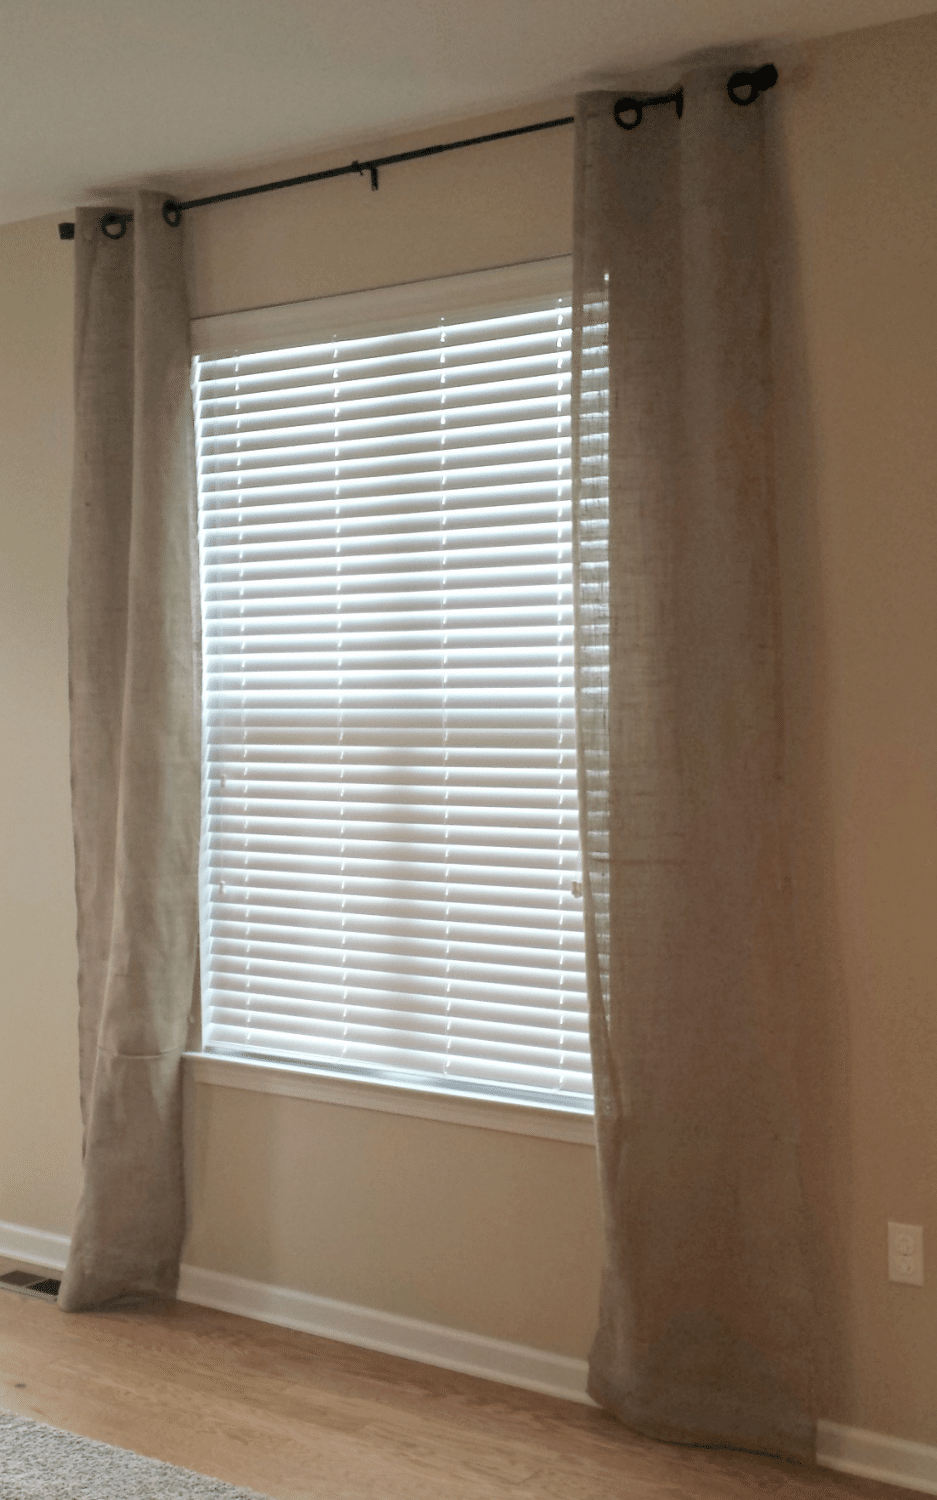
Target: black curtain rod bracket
(743,88)
(367,166)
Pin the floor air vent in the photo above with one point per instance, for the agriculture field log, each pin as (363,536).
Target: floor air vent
(31,1284)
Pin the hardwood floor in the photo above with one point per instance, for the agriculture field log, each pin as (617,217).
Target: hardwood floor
(297,1417)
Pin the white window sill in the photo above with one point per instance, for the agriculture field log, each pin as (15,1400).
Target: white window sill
(425,1104)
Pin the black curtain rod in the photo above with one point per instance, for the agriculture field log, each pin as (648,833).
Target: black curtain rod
(114,225)
(373,165)
(743,88)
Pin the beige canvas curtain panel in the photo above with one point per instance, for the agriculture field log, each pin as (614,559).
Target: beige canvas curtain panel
(133,683)
(705,1319)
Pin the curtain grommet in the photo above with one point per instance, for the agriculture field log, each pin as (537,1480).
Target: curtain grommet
(114,222)
(628,107)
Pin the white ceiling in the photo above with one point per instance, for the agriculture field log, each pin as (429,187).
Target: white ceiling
(99,94)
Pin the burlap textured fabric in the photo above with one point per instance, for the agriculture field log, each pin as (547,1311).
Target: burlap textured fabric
(706,1308)
(134,685)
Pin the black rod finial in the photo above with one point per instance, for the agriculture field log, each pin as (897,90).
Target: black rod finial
(66,231)
(172,213)
(744,88)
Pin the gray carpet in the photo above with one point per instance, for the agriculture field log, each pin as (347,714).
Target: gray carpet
(42,1463)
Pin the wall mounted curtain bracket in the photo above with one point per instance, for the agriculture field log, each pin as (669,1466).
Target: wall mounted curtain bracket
(368,166)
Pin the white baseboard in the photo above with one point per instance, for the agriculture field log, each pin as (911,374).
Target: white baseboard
(387,1333)
(913,1466)
(35,1246)
(871,1455)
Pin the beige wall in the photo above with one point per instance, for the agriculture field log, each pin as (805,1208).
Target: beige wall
(40,1140)
(859,528)
(478,1230)
(499,204)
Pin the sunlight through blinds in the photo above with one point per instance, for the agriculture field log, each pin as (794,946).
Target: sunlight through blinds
(390,858)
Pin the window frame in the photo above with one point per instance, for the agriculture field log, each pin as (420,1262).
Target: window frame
(374,312)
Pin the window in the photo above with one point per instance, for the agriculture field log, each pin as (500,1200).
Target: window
(390,844)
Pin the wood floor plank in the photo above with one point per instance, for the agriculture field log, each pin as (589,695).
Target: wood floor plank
(297,1417)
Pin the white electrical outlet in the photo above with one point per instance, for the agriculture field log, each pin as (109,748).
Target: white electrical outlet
(906,1253)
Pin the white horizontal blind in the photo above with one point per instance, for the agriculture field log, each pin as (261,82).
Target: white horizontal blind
(390,843)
